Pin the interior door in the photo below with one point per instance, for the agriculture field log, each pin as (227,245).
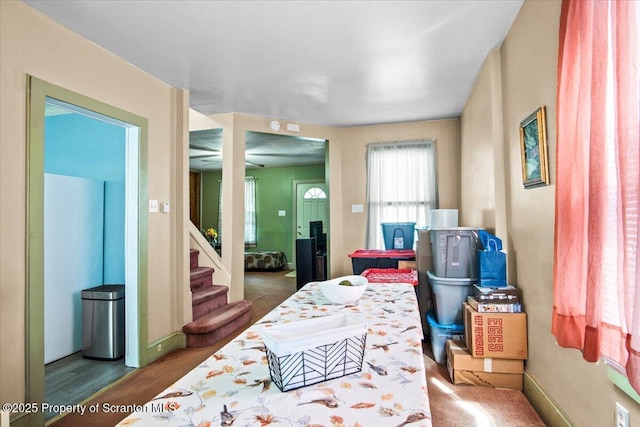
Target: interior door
(312,204)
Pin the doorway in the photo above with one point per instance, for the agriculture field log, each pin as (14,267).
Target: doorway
(133,237)
(311,203)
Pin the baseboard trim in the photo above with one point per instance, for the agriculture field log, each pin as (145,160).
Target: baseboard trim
(16,420)
(547,408)
(165,345)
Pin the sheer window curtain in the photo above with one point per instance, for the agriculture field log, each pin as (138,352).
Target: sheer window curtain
(250,225)
(401,185)
(250,222)
(596,266)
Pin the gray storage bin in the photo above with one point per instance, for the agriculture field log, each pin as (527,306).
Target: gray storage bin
(454,251)
(448,296)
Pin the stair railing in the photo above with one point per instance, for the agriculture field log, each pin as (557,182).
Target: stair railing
(208,257)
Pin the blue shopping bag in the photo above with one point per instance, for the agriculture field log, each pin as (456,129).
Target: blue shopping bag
(492,263)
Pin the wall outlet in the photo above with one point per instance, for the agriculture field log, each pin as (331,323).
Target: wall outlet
(622,416)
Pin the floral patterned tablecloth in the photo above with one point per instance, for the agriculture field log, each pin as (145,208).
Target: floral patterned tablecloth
(233,386)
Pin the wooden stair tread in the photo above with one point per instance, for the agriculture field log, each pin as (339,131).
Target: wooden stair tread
(206,294)
(218,318)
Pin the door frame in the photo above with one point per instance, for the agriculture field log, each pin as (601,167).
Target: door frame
(37,92)
(294,210)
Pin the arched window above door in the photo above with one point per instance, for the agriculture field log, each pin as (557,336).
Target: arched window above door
(315,193)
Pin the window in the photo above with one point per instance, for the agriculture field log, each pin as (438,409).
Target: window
(315,193)
(596,266)
(250,224)
(401,185)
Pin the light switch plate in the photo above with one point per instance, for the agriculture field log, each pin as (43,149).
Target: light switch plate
(357,208)
(282,213)
(153,206)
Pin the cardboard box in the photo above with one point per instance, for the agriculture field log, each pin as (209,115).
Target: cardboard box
(424,256)
(497,335)
(460,357)
(486,372)
(485,379)
(406,265)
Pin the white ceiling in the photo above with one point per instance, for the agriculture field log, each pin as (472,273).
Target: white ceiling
(333,63)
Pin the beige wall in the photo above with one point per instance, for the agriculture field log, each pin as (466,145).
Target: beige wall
(478,181)
(33,44)
(528,59)
(353,142)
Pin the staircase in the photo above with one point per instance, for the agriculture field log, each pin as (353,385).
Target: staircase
(213,317)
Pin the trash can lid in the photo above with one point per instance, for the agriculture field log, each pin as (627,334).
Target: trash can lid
(104,292)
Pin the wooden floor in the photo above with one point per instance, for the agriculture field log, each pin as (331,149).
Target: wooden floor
(73,379)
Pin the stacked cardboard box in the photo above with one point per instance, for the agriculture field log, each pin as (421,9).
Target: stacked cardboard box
(494,350)
(488,372)
(501,335)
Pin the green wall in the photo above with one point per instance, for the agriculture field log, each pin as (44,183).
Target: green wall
(274,192)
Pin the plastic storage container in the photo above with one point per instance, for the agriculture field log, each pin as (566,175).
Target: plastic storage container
(443,218)
(439,336)
(454,251)
(391,275)
(448,296)
(363,259)
(398,235)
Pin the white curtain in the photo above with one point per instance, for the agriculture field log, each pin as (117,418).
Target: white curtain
(250,226)
(250,223)
(401,185)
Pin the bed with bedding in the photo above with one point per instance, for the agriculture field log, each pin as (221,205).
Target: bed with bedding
(266,260)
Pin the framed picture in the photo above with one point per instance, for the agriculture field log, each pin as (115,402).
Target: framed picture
(533,149)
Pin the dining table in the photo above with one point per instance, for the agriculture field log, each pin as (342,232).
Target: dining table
(233,387)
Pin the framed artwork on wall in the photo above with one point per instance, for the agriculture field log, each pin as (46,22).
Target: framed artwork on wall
(533,149)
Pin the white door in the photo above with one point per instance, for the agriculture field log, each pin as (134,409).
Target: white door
(312,204)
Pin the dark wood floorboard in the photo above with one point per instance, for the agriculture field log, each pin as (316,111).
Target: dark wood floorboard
(72,379)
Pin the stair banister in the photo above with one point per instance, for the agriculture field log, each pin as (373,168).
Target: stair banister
(208,257)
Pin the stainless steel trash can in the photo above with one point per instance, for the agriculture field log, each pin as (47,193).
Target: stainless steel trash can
(103,322)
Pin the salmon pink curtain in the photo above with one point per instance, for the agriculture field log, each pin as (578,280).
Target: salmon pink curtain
(596,266)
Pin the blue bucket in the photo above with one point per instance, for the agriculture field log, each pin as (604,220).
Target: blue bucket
(398,235)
